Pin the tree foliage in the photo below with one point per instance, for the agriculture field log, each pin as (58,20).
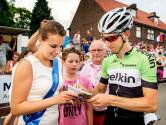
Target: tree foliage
(6,17)
(14,17)
(22,18)
(41,11)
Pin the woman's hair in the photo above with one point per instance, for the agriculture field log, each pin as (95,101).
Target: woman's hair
(51,26)
(24,53)
(67,51)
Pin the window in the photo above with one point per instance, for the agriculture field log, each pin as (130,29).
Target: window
(133,12)
(156,21)
(138,32)
(150,34)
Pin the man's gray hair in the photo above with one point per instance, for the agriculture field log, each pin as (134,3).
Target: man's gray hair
(101,42)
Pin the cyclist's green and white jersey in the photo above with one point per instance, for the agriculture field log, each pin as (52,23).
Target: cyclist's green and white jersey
(127,76)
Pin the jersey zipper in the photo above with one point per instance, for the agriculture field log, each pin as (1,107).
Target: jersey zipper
(115,109)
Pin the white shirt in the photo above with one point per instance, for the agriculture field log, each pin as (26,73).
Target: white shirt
(41,84)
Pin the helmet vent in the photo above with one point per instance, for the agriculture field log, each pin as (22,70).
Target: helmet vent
(120,10)
(105,20)
(109,25)
(121,26)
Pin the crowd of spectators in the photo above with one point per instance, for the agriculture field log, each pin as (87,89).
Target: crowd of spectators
(9,56)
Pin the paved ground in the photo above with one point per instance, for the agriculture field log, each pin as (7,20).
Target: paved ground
(162,105)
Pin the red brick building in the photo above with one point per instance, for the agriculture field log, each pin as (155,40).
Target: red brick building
(147,26)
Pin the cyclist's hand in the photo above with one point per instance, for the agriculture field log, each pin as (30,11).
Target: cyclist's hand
(100,100)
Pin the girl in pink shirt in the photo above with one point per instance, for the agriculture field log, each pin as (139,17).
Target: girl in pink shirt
(80,113)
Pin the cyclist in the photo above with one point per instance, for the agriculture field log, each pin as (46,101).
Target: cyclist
(130,74)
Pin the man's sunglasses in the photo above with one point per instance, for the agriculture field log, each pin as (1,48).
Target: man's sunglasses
(111,38)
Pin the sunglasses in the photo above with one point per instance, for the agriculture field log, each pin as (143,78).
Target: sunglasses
(111,38)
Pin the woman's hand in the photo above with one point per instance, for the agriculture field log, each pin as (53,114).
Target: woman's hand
(65,97)
(43,22)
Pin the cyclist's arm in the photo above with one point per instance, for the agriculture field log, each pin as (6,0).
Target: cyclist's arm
(100,88)
(147,103)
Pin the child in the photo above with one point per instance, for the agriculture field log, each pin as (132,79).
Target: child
(79,113)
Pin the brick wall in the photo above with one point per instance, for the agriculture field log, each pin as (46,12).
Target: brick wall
(88,15)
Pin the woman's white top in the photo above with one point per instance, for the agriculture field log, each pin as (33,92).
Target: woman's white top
(41,84)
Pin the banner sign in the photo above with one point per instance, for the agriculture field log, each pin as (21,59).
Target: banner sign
(5,83)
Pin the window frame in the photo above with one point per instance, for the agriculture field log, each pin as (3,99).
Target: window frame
(150,34)
(138,33)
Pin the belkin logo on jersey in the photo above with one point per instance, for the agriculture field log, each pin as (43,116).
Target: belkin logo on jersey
(124,77)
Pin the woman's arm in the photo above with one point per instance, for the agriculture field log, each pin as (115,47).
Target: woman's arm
(22,83)
(9,119)
(32,41)
(34,38)
(21,86)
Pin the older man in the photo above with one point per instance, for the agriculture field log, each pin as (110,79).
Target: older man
(92,70)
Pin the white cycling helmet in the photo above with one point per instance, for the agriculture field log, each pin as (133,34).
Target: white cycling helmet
(115,21)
